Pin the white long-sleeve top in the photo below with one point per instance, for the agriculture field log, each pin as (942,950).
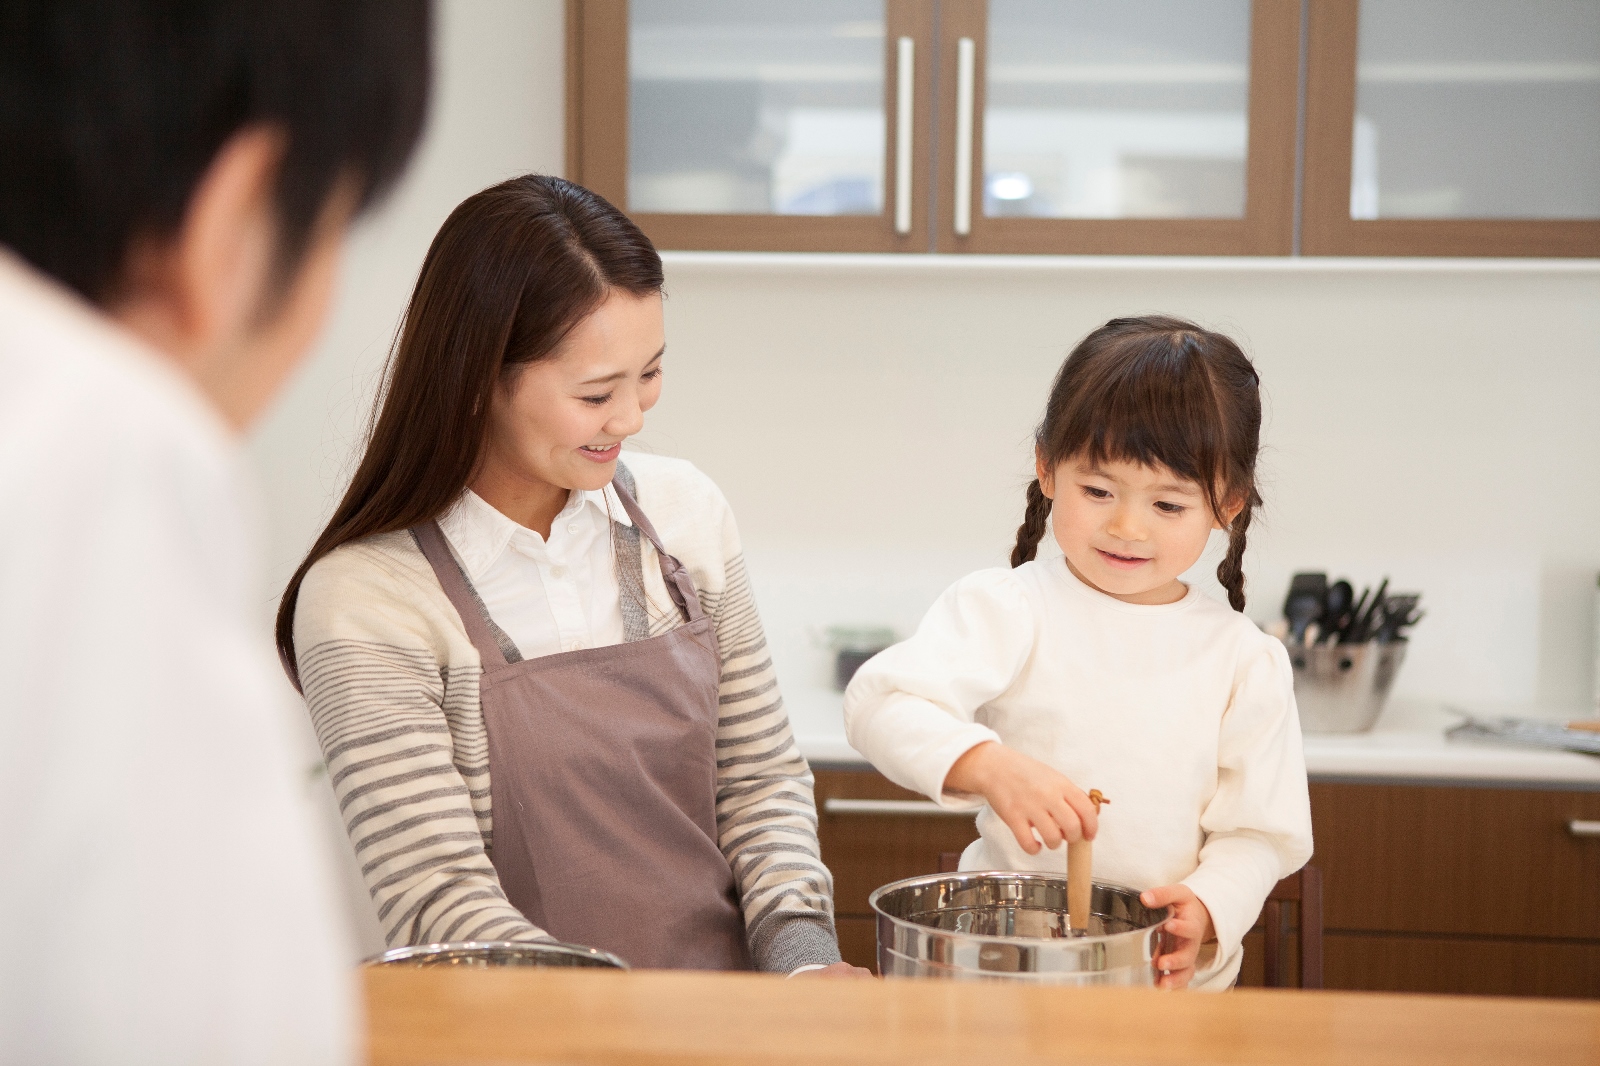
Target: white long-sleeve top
(1182,714)
(163,874)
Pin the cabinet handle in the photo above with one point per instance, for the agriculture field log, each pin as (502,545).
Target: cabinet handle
(966,62)
(1578,827)
(905,82)
(901,807)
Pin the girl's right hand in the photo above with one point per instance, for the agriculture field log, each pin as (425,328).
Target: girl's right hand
(1026,794)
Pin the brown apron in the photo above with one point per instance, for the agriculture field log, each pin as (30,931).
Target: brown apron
(603,778)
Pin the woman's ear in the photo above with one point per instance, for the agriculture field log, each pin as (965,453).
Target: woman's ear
(1045,473)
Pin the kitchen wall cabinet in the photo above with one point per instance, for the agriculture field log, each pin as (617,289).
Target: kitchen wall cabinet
(1178,127)
(1465,127)
(1425,888)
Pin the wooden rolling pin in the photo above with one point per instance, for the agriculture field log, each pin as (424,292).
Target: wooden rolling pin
(1080,868)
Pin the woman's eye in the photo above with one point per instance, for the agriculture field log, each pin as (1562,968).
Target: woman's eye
(596,401)
(1170,508)
(651,375)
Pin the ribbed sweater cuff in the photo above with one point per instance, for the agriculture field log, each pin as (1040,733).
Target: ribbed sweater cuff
(788,941)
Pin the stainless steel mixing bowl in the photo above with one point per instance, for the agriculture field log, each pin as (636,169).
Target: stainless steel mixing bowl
(1013,926)
(498,953)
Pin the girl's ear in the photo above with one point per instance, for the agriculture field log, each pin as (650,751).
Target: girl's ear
(1230,511)
(1045,473)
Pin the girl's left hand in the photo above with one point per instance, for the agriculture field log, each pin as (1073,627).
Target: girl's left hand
(1187,929)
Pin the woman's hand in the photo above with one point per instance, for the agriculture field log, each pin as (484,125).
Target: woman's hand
(1187,929)
(1026,794)
(838,969)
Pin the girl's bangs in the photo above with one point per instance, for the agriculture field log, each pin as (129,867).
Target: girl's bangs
(1154,407)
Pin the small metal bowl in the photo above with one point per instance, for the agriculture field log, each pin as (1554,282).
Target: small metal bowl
(487,953)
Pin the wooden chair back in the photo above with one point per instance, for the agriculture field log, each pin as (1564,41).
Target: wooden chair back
(1304,890)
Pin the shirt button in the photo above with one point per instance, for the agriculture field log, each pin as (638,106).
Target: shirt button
(572,528)
(576,645)
(558,572)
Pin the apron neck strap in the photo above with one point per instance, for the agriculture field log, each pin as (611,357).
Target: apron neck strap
(679,585)
(463,597)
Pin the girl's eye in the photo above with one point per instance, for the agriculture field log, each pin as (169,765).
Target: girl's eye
(653,374)
(1170,508)
(596,401)
(1096,493)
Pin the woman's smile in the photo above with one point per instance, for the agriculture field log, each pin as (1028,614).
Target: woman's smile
(598,454)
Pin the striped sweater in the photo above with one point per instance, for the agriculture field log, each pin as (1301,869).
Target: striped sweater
(391,681)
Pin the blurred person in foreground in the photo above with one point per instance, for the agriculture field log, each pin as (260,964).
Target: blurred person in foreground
(176,182)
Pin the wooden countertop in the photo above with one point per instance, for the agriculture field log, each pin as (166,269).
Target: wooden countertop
(524,1016)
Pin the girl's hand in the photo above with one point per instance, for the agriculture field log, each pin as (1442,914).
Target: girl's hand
(1187,929)
(1026,794)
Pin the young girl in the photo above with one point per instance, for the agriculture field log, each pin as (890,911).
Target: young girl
(1023,688)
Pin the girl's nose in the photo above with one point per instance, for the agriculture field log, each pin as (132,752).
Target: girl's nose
(1125,526)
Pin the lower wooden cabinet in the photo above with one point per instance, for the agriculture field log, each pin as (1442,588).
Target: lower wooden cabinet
(1447,889)
(1386,962)
(867,851)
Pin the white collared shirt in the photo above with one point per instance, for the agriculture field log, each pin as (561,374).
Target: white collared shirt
(549,596)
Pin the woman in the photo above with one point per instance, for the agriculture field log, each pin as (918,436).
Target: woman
(535,669)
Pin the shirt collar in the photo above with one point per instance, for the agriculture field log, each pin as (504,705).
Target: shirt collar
(480,534)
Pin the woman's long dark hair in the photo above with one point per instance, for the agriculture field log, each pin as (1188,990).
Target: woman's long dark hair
(510,273)
(1157,391)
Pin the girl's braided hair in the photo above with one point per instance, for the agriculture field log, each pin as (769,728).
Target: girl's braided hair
(1157,391)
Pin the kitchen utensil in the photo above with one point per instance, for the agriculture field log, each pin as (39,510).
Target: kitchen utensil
(1080,861)
(1336,613)
(1397,613)
(1363,629)
(487,953)
(1013,927)
(1304,604)
(1341,688)
(1347,631)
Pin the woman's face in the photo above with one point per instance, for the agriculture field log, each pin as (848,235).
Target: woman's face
(560,422)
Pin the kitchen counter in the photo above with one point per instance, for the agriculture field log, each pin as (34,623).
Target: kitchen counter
(420,1016)
(1407,745)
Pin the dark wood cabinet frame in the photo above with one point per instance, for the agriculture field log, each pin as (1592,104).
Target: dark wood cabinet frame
(597,144)
(597,156)
(1267,227)
(1328,229)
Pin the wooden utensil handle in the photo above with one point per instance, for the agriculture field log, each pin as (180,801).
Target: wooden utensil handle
(1080,887)
(1080,874)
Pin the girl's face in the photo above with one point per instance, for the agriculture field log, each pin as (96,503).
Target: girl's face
(560,422)
(1128,530)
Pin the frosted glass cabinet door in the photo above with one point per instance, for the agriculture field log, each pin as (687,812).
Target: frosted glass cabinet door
(1135,127)
(1478,109)
(755,107)
(1133,109)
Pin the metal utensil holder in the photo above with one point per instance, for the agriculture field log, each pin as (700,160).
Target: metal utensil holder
(1341,688)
